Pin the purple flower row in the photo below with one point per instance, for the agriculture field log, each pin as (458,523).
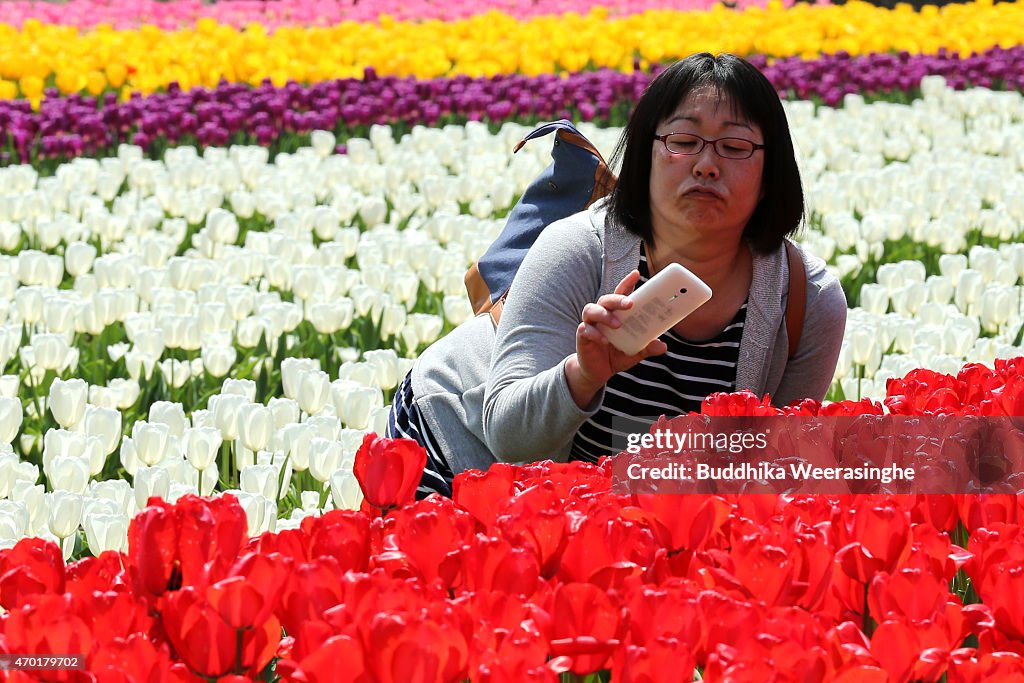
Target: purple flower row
(281,117)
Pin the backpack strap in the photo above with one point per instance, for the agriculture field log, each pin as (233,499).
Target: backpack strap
(796,302)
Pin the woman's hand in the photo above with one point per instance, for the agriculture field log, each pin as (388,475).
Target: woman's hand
(596,359)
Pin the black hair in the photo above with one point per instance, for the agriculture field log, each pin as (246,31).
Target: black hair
(753,97)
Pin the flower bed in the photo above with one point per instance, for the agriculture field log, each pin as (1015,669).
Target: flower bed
(283,117)
(538,570)
(176,14)
(148,60)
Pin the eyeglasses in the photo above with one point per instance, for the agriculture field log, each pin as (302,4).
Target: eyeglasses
(727,148)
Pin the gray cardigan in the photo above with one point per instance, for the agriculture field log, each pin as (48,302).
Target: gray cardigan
(501,394)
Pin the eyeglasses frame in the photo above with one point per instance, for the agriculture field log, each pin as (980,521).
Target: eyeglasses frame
(714,145)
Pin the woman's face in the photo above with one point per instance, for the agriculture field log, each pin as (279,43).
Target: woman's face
(704,194)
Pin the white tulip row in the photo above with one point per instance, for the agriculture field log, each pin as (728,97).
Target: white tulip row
(157,248)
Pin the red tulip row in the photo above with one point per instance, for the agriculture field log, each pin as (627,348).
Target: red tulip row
(534,572)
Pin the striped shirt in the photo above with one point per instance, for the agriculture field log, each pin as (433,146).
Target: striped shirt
(671,384)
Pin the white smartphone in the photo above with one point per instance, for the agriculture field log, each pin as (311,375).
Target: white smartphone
(658,305)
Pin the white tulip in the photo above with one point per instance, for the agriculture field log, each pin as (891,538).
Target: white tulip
(106,532)
(150,482)
(240,387)
(323,142)
(379,419)
(33,497)
(296,438)
(29,303)
(65,513)
(67,399)
(385,365)
(428,326)
(225,412)
(151,440)
(139,365)
(260,512)
(314,391)
(8,465)
(69,473)
(201,446)
(259,479)
(324,458)
(326,426)
(126,390)
(951,265)
(79,257)
(255,426)
(11,415)
(291,374)
(285,410)
(60,314)
(968,288)
(908,298)
(175,372)
(117,491)
(345,490)
(50,351)
(331,317)
(361,372)
(457,309)
(218,360)
(940,288)
(171,414)
(874,298)
(358,404)
(392,320)
(222,226)
(9,384)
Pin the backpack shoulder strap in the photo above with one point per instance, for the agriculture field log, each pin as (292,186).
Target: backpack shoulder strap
(796,302)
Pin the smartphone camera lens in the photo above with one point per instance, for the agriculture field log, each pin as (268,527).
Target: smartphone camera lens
(683,290)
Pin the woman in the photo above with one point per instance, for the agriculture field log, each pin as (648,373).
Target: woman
(708,180)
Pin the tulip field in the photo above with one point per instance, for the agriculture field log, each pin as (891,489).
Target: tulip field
(227,230)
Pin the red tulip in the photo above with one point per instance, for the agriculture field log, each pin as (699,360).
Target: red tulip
(521,655)
(738,404)
(485,494)
(135,659)
(31,567)
(899,650)
(389,470)
(606,549)
(425,540)
(406,648)
(537,519)
(970,667)
(48,624)
(312,589)
(587,625)
(338,659)
(103,573)
(661,659)
(341,534)
(190,543)
(493,564)
(208,644)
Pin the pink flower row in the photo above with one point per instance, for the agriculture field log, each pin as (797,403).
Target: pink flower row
(274,13)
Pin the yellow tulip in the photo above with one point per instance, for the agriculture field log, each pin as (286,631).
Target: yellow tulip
(8,90)
(95,83)
(31,87)
(116,74)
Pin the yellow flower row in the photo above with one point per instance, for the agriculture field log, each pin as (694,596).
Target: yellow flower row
(148,59)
